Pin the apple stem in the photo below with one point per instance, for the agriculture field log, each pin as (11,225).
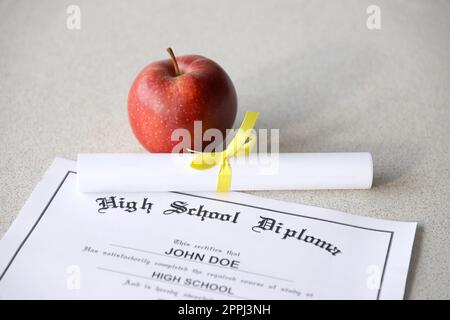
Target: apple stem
(174,61)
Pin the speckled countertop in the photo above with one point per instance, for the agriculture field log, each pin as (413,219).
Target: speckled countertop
(312,68)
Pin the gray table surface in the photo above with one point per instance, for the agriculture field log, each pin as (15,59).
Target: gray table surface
(312,68)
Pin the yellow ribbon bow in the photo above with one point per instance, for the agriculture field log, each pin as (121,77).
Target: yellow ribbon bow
(242,143)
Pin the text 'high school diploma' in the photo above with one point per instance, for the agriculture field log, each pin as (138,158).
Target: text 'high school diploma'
(172,245)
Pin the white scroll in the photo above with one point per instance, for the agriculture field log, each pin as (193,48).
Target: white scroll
(172,172)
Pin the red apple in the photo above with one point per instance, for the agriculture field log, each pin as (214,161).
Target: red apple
(173,93)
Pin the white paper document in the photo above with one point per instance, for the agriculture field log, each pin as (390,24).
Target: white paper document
(139,172)
(66,244)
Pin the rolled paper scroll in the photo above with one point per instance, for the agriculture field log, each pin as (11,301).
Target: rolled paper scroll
(172,172)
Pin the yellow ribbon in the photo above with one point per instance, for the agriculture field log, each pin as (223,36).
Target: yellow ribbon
(242,143)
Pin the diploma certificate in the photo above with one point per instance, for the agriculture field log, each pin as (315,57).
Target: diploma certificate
(66,244)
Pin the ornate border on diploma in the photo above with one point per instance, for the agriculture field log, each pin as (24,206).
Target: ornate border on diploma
(36,223)
(213,199)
